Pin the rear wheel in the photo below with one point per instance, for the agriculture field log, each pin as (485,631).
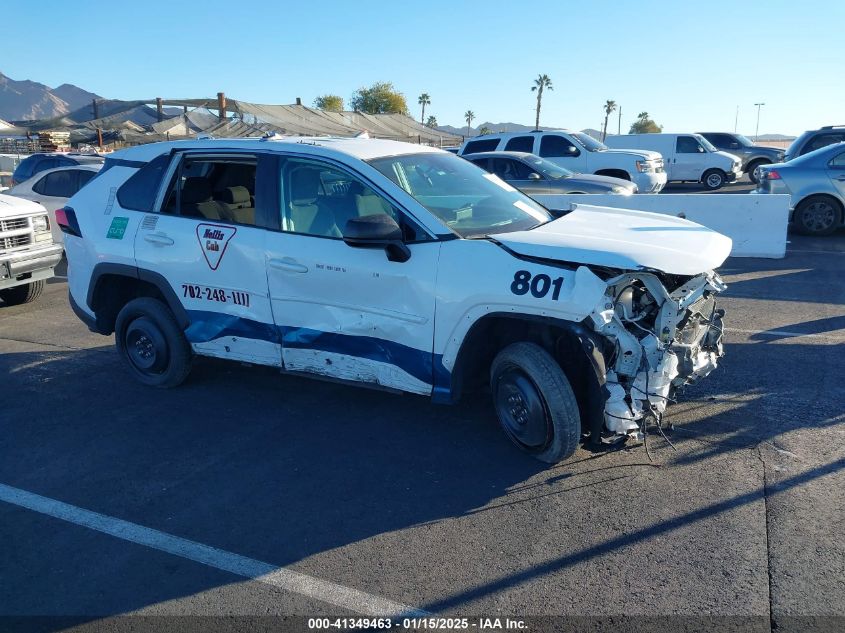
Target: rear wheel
(713,179)
(152,344)
(752,169)
(534,402)
(22,294)
(817,215)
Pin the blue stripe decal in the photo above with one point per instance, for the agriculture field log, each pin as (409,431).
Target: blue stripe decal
(423,365)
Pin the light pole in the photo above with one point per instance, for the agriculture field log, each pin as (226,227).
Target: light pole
(736,119)
(757,129)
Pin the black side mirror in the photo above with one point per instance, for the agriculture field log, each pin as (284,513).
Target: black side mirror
(534,176)
(377,231)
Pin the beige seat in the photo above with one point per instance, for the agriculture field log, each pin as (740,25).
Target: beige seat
(307,214)
(239,203)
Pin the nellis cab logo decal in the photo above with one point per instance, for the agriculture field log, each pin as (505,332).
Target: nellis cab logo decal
(213,239)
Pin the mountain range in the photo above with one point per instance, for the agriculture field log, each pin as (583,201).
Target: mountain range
(27,100)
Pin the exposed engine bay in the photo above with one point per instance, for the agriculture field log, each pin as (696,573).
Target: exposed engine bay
(661,340)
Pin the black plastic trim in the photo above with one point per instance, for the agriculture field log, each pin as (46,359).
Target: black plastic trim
(83,316)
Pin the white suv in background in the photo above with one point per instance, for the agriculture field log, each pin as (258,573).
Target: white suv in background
(578,152)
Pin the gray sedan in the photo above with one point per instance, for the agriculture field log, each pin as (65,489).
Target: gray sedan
(816,184)
(535,176)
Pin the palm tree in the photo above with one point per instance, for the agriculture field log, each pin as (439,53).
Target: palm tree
(432,121)
(469,115)
(542,82)
(423,100)
(609,107)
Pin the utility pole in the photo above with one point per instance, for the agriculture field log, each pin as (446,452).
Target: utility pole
(757,129)
(736,119)
(619,123)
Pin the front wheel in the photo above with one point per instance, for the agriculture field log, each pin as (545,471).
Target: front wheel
(151,343)
(24,293)
(713,179)
(753,174)
(534,402)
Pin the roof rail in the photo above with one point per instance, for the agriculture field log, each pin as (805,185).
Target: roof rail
(830,127)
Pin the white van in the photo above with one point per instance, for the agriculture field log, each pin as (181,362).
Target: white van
(687,157)
(577,152)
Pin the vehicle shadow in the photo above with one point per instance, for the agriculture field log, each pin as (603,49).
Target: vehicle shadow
(280,468)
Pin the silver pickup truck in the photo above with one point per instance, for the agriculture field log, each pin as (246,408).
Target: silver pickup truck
(28,254)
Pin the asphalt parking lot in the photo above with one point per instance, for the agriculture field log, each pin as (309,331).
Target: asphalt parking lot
(249,494)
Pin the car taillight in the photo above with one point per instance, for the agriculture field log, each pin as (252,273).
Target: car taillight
(772,175)
(66,219)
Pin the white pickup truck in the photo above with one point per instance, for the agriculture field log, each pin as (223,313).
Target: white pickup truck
(580,153)
(28,254)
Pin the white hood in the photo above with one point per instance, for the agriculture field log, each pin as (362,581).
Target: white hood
(12,206)
(624,239)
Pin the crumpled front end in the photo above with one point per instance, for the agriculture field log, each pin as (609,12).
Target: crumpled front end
(660,339)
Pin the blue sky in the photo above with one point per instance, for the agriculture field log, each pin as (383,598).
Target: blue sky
(689,64)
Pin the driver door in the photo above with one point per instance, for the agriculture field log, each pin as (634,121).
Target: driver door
(348,312)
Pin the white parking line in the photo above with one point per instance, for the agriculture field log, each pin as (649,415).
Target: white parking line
(295,582)
(822,337)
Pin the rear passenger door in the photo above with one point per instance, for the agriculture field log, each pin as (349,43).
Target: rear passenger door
(207,239)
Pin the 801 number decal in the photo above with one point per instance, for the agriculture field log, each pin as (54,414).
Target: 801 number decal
(538,285)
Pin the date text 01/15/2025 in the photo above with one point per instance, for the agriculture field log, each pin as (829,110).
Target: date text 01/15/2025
(219,295)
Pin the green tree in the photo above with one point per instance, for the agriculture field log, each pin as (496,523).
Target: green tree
(644,125)
(609,108)
(432,121)
(380,98)
(542,82)
(469,115)
(330,103)
(423,100)
(485,130)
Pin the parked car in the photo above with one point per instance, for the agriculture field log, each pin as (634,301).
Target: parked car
(35,163)
(578,152)
(27,252)
(397,266)
(815,183)
(752,156)
(52,188)
(543,180)
(687,157)
(811,140)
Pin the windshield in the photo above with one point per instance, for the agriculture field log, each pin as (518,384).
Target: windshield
(589,143)
(466,198)
(548,168)
(743,140)
(707,144)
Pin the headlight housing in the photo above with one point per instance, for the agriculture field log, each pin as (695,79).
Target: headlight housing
(40,223)
(645,167)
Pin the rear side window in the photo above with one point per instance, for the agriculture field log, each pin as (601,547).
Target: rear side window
(59,184)
(552,145)
(140,190)
(520,144)
(838,161)
(484,145)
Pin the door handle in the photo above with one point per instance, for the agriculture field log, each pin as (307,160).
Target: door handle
(288,265)
(159,238)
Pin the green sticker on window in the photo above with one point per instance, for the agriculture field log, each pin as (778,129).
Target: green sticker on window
(117,228)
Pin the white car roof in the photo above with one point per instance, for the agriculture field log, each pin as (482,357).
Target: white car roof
(360,148)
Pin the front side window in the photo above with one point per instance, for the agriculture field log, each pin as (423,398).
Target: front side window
(822,140)
(483,145)
(688,145)
(589,143)
(552,145)
(464,198)
(319,199)
(218,188)
(520,144)
(510,169)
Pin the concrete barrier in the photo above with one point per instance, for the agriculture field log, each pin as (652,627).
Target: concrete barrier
(756,224)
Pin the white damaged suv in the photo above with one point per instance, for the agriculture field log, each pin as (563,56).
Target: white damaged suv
(397,266)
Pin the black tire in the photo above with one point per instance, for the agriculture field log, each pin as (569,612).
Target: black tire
(150,342)
(534,402)
(817,215)
(752,166)
(713,179)
(22,294)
